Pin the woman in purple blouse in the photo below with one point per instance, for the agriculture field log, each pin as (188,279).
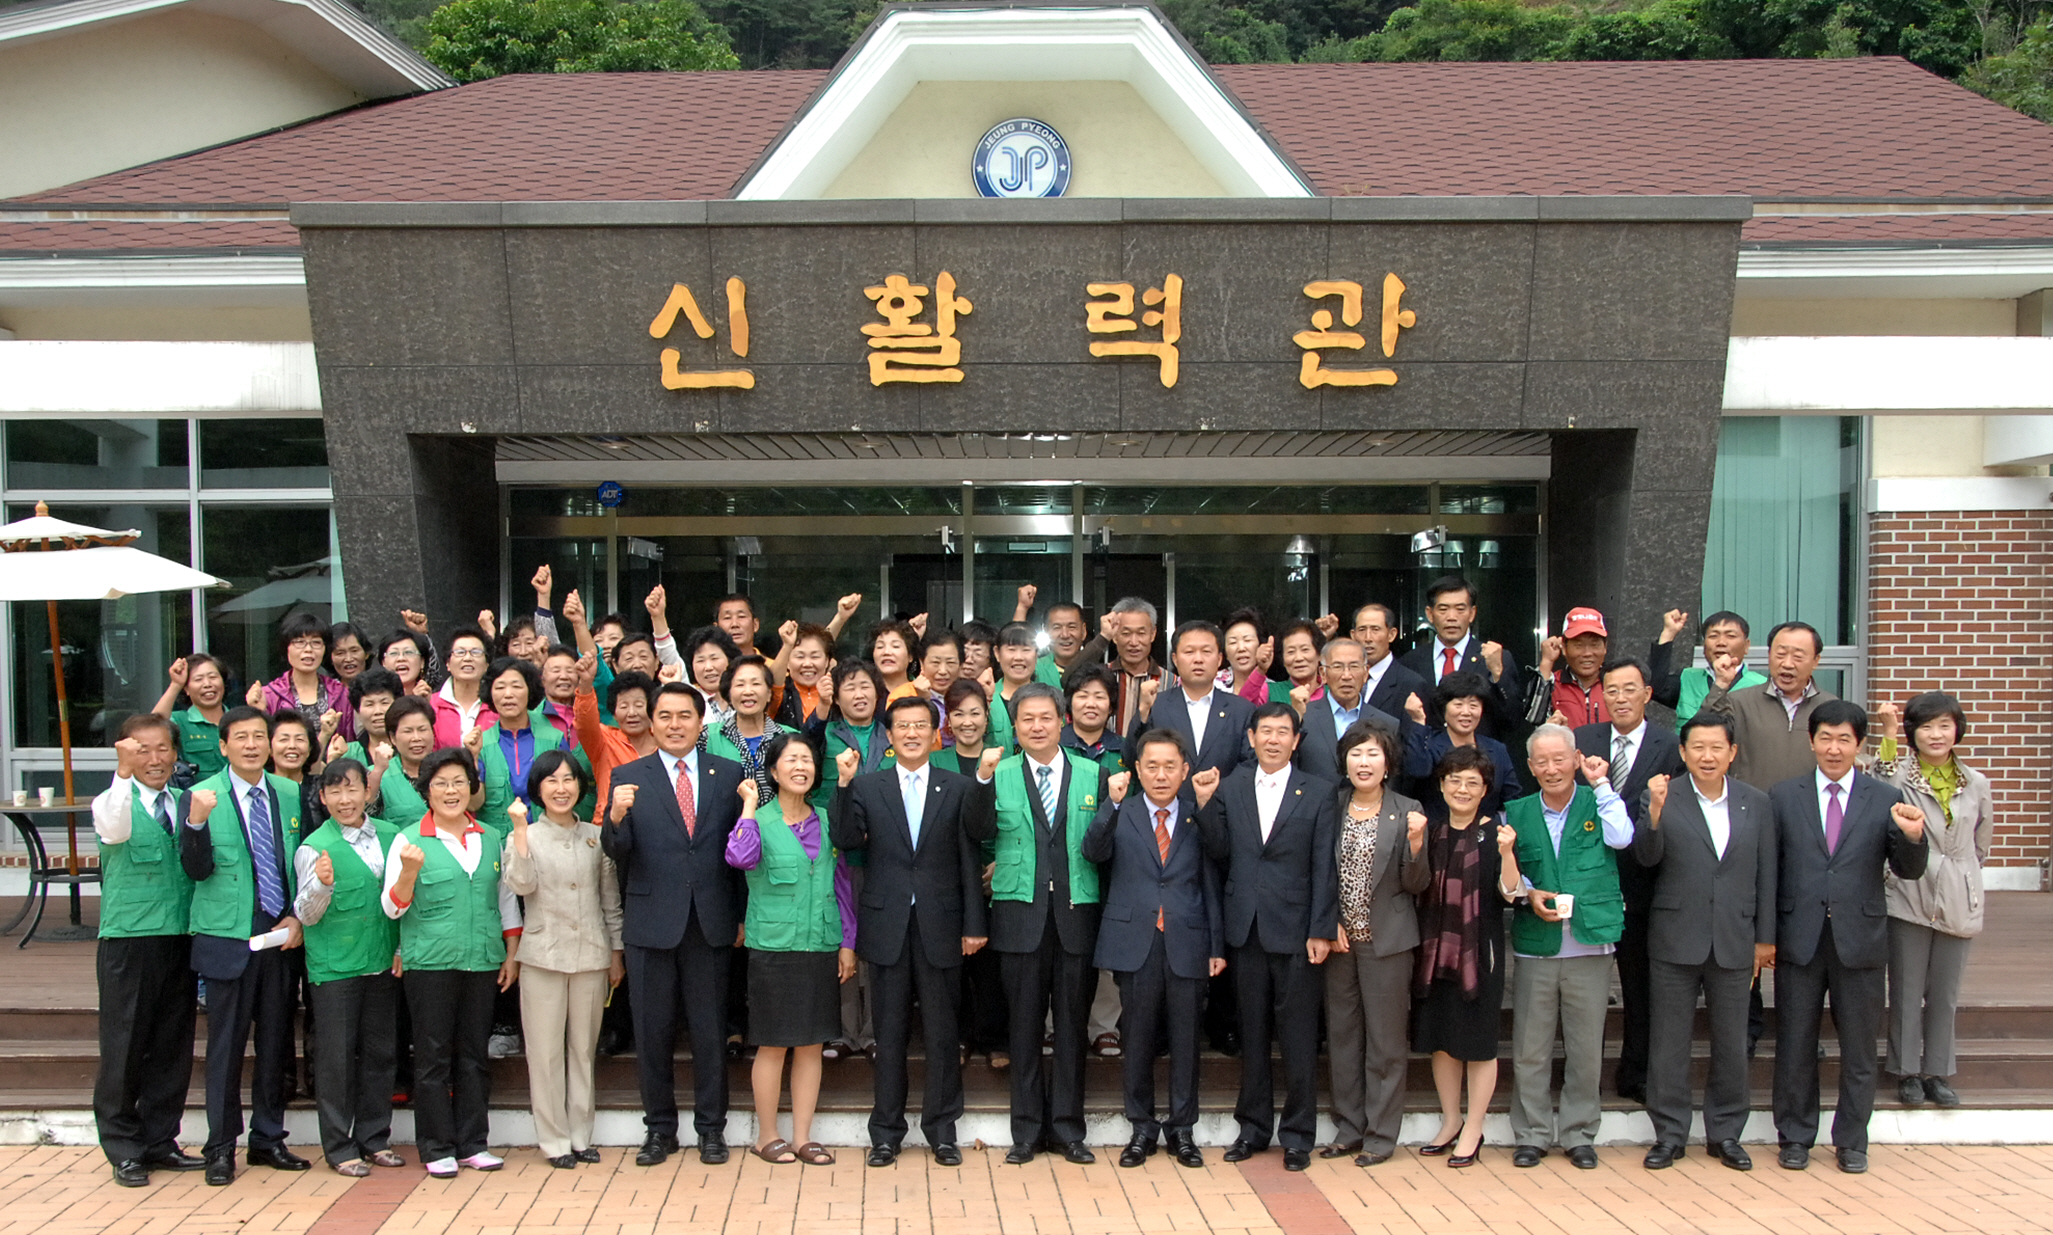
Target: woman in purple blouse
(800,932)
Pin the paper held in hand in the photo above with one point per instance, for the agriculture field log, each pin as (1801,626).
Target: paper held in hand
(270,939)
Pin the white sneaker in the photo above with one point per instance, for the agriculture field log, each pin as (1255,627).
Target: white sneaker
(482,1162)
(504,1045)
(442,1168)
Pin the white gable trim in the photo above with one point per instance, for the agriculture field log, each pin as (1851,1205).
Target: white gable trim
(1130,44)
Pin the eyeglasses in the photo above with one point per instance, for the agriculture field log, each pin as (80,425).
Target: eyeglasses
(308,641)
(467,654)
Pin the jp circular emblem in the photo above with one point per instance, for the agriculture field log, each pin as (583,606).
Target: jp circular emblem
(1021,158)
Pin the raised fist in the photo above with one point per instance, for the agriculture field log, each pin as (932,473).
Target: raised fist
(254,696)
(1107,623)
(410,856)
(1891,717)
(1725,669)
(1027,593)
(670,673)
(587,670)
(1595,770)
(573,608)
(127,752)
(1265,655)
(1149,689)
(177,673)
(1415,830)
(1328,625)
(623,801)
(1657,796)
(750,795)
(542,582)
(1493,656)
(656,601)
(381,754)
(1550,652)
(918,622)
(331,721)
(923,685)
(1507,836)
(420,688)
(1300,697)
(517,814)
(987,763)
(414,620)
(827,690)
(1909,819)
(336,746)
(849,603)
(489,624)
(1205,784)
(1672,623)
(847,764)
(787,632)
(324,870)
(474,742)
(1117,785)
(1415,708)
(202,805)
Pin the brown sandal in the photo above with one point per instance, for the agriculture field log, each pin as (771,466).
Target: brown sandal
(812,1153)
(775,1152)
(386,1157)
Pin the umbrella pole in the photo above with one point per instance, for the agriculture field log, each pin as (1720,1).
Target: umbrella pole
(63,727)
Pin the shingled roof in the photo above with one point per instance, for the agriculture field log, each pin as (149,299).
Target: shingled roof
(1870,130)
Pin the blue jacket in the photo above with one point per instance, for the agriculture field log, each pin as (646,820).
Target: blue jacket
(1137,883)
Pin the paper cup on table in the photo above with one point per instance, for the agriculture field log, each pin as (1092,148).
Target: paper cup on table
(21,797)
(46,795)
(1564,904)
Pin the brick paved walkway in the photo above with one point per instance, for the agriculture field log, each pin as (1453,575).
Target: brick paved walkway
(1913,1190)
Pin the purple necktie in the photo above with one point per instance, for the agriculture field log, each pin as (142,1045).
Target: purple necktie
(1835,815)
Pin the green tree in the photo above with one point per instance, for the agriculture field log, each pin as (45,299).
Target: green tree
(2021,78)
(475,39)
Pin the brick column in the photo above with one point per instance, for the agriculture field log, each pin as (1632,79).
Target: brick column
(1959,601)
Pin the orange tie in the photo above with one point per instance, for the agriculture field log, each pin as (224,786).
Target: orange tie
(1161,847)
(685,805)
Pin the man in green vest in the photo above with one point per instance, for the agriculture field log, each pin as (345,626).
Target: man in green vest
(1045,906)
(144,962)
(242,826)
(1564,930)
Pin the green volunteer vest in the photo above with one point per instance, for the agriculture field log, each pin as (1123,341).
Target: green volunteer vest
(199,742)
(453,922)
(1046,671)
(224,902)
(397,797)
(791,905)
(143,888)
(1014,854)
(1587,869)
(498,774)
(1000,732)
(354,937)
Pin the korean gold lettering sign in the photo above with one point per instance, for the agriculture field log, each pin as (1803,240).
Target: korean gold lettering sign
(681,304)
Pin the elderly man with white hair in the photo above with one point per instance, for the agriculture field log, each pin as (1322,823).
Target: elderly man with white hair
(1563,932)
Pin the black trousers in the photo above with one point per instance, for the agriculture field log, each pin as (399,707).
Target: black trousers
(1800,993)
(452,1076)
(892,991)
(1279,995)
(354,1059)
(1674,990)
(1148,997)
(985,1025)
(1048,1095)
(1634,994)
(689,981)
(146,1035)
(260,1002)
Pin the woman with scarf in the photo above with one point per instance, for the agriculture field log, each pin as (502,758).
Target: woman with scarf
(1458,987)
(742,734)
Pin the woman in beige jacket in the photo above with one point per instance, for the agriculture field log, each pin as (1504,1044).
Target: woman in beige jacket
(570,952)
(1932,918)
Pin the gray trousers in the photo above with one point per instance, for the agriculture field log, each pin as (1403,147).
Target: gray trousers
(1925,967)
(1673,1005)
(1368,1014)
(1564,995)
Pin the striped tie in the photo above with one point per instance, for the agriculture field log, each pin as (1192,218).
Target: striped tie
(264,854)
(1047,776)
(1161,847)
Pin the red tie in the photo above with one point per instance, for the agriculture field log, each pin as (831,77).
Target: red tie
(1161,847)
(1446,661)
(685,805)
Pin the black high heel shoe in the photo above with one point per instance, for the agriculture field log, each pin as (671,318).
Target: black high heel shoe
(1434,1151)
(1457,1161)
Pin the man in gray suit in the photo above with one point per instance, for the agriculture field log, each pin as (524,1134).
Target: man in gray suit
(1836,830)
(1708,842)
(1344,702)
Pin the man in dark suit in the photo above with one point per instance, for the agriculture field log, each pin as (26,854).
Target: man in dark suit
(1389,683)
(1045,898)
(1161,935)
(668,822)
(1706,842)
(1211,722)
(1637,750)
(1345,668)
(1451,608)
(1836,831)
(919,828)
(1270,828)
(239,860)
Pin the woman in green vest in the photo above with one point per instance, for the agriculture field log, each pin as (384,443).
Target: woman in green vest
(508,747)
(1014,655)
(371,695)
(459,939)
(395,780)
(1089,691)
(203,681)
(857,691)
(800,932)
(351,951)
(742,734)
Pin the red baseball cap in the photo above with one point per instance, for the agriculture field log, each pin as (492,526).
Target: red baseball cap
(1584,622)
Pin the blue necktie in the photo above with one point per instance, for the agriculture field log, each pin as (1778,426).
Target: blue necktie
(1047,776)
(164,813)
(264,854)
(915,806)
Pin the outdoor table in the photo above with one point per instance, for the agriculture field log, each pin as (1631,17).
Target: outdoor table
(27,821)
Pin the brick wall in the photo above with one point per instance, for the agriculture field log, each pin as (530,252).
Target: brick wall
(1959,601)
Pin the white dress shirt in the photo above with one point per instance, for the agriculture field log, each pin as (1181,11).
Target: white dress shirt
(691,772)
(1845,784)
(1375,678)
(1171,806)
(1440,655)
(1269,788)
(1200,711)
(1717,814)
(311,905)
(113,822)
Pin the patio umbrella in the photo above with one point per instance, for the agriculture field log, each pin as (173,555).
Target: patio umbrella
(51,560)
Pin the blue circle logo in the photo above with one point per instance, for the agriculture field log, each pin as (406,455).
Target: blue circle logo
(1021,158)
(611,494)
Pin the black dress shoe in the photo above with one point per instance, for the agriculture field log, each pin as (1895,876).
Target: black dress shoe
(1079,1153)
(174,1160)
(1019,1155)
(1911,1091)
(656,1149)
(586,1155)
(1242,1150)
(1853,1161)
(564,1162)
(1660,1157)
(131,1173)
(1137,1151)
(1732,1154)
(1185,1148)
(278,1158)
(221,1171)
(1527,1155)
(1297,1159)
(1793,1157)
(713,1149)
(882,1155)
(1635,1094)
(947,1153)
(1372,1158)
(1940,1093)
(1584,1157)
(1340,1149)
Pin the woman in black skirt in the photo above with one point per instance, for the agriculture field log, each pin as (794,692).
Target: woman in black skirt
(1458,991)
(800,932)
